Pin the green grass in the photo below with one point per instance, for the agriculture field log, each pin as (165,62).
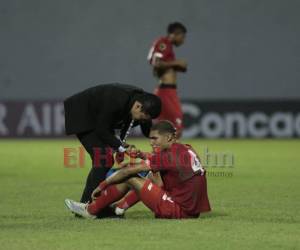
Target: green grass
(256,208)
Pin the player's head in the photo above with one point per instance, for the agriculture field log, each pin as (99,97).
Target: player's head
(162,135)
(176,32)
(146,106)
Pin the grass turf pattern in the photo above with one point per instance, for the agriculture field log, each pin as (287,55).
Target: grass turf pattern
(255,203)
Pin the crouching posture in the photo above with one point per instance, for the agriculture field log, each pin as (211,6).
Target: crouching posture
(184,190)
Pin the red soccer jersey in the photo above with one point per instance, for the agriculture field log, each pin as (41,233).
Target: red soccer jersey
(162,49)
(183,177)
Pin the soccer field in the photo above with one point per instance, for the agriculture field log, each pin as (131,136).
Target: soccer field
(255,202)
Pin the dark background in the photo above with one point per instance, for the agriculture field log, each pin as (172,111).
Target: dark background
(241,49)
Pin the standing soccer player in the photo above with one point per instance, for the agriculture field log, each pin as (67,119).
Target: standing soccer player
(165,67)
(184,191)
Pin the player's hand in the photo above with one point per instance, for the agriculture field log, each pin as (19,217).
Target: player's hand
(132,151)
(129,147)
(96,193)
(141,155)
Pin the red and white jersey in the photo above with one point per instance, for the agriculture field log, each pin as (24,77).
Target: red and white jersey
(161,49)
(183,177)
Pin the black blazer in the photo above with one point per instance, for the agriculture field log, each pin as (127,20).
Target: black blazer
(103,108)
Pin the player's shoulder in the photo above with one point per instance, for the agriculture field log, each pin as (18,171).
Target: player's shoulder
(162,41)
(180,145)
(181,148)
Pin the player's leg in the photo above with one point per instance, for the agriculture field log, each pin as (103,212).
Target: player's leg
(171,107)
(155,198)
(163,95)
(129,200)
(99,168)
(96,208)
(107,197)
(140,185)
(175,114)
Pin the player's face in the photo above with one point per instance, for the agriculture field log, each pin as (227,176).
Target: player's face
(179,38)
(159,141)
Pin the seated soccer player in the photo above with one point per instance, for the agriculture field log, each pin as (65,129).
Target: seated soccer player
(131,198)
(184,191)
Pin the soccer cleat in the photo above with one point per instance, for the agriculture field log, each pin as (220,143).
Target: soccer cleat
(119,211)
(79,208)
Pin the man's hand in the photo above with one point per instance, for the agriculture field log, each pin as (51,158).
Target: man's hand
(96,193)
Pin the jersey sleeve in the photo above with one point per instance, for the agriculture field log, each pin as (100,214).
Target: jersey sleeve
(159,51)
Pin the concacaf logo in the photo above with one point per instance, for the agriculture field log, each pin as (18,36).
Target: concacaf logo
(162,46)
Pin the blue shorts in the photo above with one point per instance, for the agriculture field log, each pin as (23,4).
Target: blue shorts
(112,170)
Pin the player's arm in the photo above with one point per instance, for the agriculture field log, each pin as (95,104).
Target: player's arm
(126,172)
(178,65)
(158,58)
(120,176)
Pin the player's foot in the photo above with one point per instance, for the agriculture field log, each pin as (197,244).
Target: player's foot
(78,208)
(119,211)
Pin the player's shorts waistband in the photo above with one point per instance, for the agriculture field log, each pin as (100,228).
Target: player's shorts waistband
(167,86)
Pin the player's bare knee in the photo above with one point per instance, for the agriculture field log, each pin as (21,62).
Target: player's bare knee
(131,181)
(135,182)
(123,187)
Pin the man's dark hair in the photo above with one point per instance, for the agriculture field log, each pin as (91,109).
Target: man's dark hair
(164,127)
(151,104)
(175,27)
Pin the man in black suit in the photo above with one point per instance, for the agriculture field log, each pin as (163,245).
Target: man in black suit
(94,114)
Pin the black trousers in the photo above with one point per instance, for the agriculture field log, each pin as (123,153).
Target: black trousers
(101,165)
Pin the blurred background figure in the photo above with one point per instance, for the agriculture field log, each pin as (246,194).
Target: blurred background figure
(165,67)
(243,75)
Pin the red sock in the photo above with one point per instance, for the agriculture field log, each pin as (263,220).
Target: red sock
(108,196)
(129,200)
